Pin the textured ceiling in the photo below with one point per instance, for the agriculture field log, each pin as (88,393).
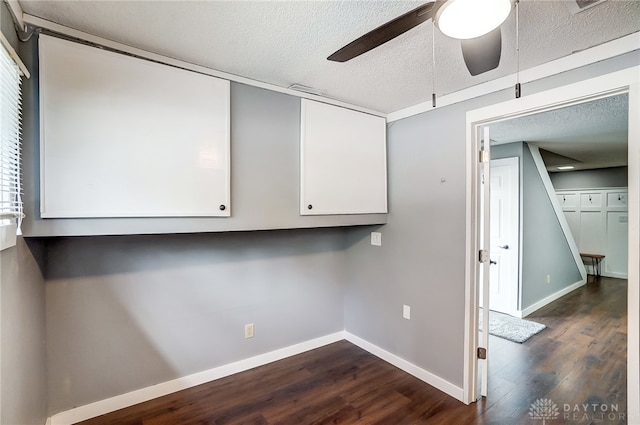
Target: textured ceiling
(593,133)
(287,42)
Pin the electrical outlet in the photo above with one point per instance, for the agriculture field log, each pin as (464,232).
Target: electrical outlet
(248,330)
(376,238)
(406,312)
(548,279)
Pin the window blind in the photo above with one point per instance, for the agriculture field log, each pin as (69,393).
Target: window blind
(10,149)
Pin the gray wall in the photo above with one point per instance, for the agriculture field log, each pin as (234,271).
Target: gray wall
(590,179)
(265,172)
(545,250)
(509,150)
(23,337)
(422,259)
(127,312)
(22,320)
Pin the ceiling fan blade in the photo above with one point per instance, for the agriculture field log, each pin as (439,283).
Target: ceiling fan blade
(384,33)
(482,54)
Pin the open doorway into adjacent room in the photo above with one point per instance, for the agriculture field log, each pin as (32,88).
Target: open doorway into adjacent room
(539,235)
(571,362)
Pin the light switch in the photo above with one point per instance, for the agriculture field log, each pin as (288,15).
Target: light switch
(376,238)
(406,312)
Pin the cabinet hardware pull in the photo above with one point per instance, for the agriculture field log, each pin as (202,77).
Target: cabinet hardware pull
(309,206)
(222,208)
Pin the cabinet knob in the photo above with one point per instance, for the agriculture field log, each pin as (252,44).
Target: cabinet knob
(222,208)
(309,206)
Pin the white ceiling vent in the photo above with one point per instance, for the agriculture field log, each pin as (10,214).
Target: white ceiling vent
(576,6)
(306,89)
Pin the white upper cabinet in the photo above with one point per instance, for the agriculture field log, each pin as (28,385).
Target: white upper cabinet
(343,161)
(126,137)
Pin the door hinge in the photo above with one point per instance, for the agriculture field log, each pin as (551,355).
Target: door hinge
(484,156)
(483,256)
(482,353)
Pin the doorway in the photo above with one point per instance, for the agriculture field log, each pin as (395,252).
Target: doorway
(614,83)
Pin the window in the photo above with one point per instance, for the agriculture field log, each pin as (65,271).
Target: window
(10,150)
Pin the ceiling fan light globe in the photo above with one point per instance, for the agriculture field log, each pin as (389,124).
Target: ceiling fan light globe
(465,19)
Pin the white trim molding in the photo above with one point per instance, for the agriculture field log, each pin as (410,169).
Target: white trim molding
(422,374)
(633,308)
(16,13)
(112,404)
(620,46)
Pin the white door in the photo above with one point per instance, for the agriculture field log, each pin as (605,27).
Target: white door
(504,235)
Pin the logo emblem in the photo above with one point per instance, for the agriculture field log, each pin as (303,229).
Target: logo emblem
(544,409)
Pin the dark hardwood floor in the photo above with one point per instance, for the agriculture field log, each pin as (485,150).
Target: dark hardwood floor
(579,360)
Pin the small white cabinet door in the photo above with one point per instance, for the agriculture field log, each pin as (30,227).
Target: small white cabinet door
(568,199)
(343,161)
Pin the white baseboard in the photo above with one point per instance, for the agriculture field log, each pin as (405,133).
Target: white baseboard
(551,298)
(112,404)
(424,375)
(615,275)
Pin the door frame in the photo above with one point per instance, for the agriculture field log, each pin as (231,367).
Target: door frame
(624,81)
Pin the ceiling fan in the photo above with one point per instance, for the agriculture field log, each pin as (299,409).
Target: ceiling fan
(475,22)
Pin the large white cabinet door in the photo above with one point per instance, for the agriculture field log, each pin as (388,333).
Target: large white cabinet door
(343,161)
(126,137)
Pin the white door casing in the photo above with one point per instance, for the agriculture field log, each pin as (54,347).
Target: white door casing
(484,264)
(627,80)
